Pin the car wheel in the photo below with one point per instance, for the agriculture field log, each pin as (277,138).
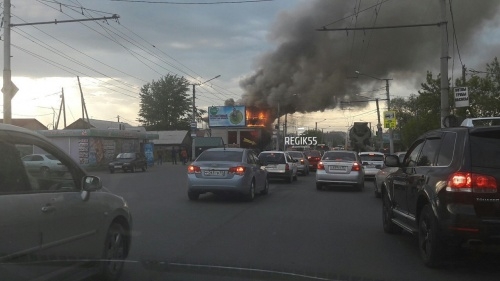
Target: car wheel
(429,244)
(319,186)
(132,169)
(115,252)
(389,226)
(251,193)
(45,171)
(193,196)
(111,171)
(289,179)
(144,167)
(295,177)
(265,191)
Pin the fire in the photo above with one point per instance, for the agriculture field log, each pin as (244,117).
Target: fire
(257,117)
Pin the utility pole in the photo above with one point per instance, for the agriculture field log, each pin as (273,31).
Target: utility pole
(379,126)
(9,89)
(278,132)
(445,107)
(391,137)
(84,107)
(193,119)
(62,108)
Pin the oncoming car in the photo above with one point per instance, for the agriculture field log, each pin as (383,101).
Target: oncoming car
(129,161)
(227,170)
(54,227)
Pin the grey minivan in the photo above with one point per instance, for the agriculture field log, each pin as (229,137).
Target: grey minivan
(60,226)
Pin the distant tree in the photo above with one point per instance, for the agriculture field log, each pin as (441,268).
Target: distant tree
(166,104)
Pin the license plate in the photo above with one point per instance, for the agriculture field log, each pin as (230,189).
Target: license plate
(370,166)
(212,173)
(271,166)
(336,168)
(118,167)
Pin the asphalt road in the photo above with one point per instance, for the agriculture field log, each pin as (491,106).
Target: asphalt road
(335,234)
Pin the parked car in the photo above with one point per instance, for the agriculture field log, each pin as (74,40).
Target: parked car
(302,164)
(279,165)
(446,191)
(340,167)
(372,162)
(227,170)
(44,164)
(130,161)
(59,226)
(383,173)
(313,156)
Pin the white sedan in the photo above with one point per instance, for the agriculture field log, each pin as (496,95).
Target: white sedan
(383,173)
(44,164)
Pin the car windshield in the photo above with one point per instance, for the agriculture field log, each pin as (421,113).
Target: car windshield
(221,155)
(371,157)
(125,156)
(339,156)
(162,139)
(50,157)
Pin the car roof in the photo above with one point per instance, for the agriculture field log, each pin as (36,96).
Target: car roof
(226,149)
(371,152)
(469,122)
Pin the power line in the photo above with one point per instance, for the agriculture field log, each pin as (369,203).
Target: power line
(193,3)
(366,9)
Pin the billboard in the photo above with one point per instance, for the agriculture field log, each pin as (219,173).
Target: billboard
(226,116)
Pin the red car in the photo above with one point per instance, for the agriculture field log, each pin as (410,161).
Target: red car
(313,156)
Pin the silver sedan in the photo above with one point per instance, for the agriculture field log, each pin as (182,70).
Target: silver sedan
(227,170)
(382,174)
(340,168)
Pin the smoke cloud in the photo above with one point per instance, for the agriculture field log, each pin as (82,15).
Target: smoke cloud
(313,70)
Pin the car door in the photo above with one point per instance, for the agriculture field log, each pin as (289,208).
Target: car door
(19,220)
(417,179)
(400,179)
(292,163)
(68,222)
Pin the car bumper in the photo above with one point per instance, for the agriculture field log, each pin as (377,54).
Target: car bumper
(370,173)
(339,179)
(279,175)
(459,222)
(237,184)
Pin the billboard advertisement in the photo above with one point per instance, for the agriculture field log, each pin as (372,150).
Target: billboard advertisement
(226,116)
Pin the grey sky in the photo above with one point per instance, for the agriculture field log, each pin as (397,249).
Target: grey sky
(235,41)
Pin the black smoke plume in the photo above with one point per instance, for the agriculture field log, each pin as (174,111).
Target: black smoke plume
(313,70)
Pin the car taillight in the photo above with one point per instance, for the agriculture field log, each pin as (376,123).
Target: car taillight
(287,167)
(471,182)
(194,169)
(321,166)
(239,170)
(355,166)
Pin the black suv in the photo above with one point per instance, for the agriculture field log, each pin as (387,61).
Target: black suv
(446,191)
(129,161)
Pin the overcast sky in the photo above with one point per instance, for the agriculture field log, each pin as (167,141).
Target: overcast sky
(265,52)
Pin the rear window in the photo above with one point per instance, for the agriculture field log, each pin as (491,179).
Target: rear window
(339,156)
(222,155)
(312,153)
(274,158)
(485,149)
(295,154)
(371,157)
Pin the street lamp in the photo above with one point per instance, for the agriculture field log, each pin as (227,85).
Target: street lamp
(316,128)
(391,142)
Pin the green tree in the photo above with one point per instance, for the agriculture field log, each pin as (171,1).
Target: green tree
(166,104)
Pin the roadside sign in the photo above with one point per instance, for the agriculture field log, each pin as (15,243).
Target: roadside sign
(461,96)
(390,119)
(194,124)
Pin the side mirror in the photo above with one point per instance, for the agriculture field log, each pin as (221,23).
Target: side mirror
(295,160)
(91,183)
(391,161)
